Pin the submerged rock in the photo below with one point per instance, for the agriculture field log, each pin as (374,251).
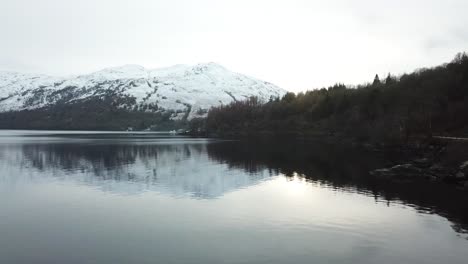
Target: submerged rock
(439,172)
(460,175)
(423,163)
(464,167)
(436,172)
(419,170)
(400,171)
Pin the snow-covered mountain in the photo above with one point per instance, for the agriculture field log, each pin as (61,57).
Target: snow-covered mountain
(185,91)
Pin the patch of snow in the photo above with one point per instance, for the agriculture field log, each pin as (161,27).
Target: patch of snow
(180,88)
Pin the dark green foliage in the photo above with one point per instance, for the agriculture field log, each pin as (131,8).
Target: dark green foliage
(426,102)
(91,114)
(376,80)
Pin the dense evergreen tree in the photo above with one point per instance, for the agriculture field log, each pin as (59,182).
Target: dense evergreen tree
(426,102)
(94,114)
(376,80)
(390,79)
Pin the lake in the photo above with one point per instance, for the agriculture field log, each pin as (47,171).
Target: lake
(100,197)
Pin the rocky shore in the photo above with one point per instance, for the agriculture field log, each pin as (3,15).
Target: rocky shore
(438,163)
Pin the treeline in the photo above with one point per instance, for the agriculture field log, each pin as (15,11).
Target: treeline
(423,103)
(90,114)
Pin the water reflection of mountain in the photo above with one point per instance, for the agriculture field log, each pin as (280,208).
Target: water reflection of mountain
(177,169)
(345,168)
(209,170)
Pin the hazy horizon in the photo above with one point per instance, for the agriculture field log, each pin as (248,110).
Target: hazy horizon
(298,45)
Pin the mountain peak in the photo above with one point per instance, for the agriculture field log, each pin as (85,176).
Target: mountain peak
(211,65)
(127,71)
(128,67)
(185,91)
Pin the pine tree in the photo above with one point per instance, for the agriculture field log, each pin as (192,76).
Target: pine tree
(389,79)
(376,80)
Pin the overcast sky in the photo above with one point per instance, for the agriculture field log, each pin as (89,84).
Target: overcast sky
(296,44)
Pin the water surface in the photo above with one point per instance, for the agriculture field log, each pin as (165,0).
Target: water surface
(152,198)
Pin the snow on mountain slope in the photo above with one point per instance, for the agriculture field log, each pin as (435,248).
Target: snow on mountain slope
(186,91)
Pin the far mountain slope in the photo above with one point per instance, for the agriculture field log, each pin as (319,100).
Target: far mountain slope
(183,92)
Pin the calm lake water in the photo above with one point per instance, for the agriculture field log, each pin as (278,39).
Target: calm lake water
(148,198)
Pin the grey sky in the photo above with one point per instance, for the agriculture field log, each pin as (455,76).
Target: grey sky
(296,44)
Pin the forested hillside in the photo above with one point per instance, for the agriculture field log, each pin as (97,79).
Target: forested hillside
(425,102)
(94,114)
(121,97)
